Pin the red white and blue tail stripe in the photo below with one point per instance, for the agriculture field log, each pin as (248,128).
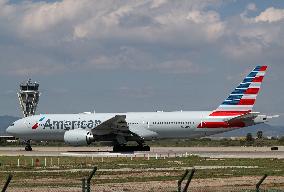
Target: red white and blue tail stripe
(239,103)
(242,99)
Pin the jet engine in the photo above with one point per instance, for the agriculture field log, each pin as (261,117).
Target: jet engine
(78,137)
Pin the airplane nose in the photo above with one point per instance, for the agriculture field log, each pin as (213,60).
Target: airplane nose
(10,130)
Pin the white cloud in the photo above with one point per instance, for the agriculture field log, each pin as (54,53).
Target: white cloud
(168,36)
(92,34)
(44,16)
(198,16)
(80,32)
(211,23)
(158,3)
(254,39)
(251,7)
(270,15)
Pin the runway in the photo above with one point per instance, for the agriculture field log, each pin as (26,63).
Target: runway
(156,152)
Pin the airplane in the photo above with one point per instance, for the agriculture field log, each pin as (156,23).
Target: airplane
(120,128)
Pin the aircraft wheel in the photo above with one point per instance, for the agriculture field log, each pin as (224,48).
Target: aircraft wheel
(28,148)
(117,148)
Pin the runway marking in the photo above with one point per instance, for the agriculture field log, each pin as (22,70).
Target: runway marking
(100,154)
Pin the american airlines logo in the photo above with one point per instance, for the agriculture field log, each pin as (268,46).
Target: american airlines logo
(35,126)
(66,125)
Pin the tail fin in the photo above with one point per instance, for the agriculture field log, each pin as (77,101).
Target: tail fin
(242,99)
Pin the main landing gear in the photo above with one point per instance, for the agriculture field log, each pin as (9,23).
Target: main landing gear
(122,147)
(120,144)
(28,146)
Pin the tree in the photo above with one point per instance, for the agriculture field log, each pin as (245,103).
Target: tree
(259,135)
(281,140)
(249,137)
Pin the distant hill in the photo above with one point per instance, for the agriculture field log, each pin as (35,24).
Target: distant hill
(5,121)
(268,130)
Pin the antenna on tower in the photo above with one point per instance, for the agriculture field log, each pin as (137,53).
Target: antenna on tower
(29,97)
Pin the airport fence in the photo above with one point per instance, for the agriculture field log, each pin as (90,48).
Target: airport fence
(63,174)
(183,185)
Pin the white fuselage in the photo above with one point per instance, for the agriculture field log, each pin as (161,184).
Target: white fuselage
(148,125)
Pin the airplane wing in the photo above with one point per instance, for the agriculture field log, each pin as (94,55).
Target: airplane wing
(117,129)
(116,125)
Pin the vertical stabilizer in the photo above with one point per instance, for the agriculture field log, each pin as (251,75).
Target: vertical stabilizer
(242,99)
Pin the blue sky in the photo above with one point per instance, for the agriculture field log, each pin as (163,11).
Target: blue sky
(139,55)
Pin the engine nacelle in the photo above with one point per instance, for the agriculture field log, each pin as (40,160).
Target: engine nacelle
(78,137)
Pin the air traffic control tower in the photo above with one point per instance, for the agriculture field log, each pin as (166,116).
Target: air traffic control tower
(29,97)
